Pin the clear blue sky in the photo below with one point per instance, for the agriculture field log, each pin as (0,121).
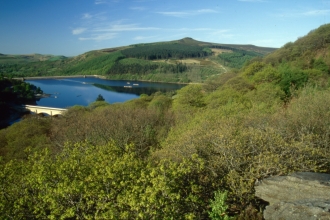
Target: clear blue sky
(72,27)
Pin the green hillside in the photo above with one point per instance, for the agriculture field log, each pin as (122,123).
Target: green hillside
(196,154)
(305,50)
(22,59)
(192,42)
(185,60)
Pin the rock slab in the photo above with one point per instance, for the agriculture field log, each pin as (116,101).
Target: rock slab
(302,195)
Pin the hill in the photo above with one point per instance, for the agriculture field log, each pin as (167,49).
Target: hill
(193,42)
(305,50)
(185,60)
(16,59)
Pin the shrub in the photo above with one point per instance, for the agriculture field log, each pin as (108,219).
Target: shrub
(219,207)
(102,182)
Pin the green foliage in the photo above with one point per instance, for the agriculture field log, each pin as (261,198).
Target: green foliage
(207,50)
(160,102)
(91,63)
(267,74)
(243,144)
(165,51)
(253,68)
(18,59)
(83,181)
(99,98)
(115,65)
(94,66)
(15,92)
(98,104)
(163,157)
(132,123)
(188,100)
(292,79)
(240,84)
(219,207)
(312,46)
(266,97)
(319,64)
(215,82)
(224,96)
(237,58)
(141,68)
(137,69)
(308,117)
(86,181)
(30,133)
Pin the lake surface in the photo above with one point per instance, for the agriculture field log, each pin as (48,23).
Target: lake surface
(68,92)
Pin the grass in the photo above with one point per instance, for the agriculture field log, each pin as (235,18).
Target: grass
(217,51)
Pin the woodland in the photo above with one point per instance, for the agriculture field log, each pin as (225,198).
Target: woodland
(195,154)
(14,93)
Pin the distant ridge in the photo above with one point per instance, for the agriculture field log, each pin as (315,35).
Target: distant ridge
(186,41)
(193,42)
(26,58)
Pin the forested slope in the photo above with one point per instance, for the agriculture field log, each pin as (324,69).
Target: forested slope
(14,93)
(165,51)
(182,61)
(194,155)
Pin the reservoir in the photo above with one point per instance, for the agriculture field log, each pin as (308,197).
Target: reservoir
(67,92)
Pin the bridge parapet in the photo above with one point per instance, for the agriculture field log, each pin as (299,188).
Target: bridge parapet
(43,109)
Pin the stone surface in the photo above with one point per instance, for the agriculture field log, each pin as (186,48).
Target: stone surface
(299,210)
(303,195)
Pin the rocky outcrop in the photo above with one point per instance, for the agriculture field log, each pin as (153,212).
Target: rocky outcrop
(303,195)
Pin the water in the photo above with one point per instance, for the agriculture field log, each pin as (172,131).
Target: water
(68,92)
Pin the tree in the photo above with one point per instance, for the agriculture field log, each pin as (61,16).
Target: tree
(85,181)
(100,98)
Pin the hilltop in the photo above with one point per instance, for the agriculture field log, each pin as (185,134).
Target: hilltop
(184,60)
(192,42)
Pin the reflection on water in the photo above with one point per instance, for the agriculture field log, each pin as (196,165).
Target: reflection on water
(134,89)
(82,91)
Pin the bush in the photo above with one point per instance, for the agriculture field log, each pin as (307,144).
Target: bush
(122,123)
(85,181)
(240,147)
(307,118)
(219,207)
(292,79)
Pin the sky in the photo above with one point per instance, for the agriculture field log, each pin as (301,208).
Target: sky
(73,27)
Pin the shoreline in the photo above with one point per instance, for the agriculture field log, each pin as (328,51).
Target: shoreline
(59,77)
(93,76)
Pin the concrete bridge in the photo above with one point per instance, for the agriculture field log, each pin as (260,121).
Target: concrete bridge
(42,109)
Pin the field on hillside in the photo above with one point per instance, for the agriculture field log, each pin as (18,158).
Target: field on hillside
(217,51)
(189,61)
